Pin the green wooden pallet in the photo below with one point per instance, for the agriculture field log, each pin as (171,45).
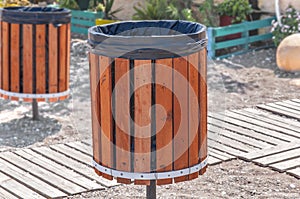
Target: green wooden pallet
(244,41)
(82,20)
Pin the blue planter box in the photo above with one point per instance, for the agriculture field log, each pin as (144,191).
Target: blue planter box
(82,20)
(244,41)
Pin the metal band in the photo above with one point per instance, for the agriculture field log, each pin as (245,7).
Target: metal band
(35,96)
(150,176)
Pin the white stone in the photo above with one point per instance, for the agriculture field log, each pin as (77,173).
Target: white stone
(288,52)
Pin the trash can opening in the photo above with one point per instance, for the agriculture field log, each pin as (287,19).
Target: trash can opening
(150,28)
(147,39)
(35,15)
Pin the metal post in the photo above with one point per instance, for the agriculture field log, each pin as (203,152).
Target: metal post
(35,110)
(151,190)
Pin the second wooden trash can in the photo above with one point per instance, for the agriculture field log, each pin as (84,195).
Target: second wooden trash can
(35,53)
(149,101)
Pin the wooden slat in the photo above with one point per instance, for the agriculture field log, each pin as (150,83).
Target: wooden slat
(291,102)
(219,154)
(27,59)
(288,110)
(203,106)
(77,155)
(122,117)
(292,122)
(278,110)
(15,59)
(40,59)
(243,131)
(287,122)
(266,118)
(213,160)
(262,124)
(88,142)
(231,143)
(194,111)
(270,151)
(43,174)
(32,182)
(70,163)
(1,59)
(295,172)
(142,118)
(6,195)
(224,148)
(16,188)
(95,92)
(256,128)
(164,115)
(287,164)
(181,123)
(58,169)
(62,81)
(106,114)
(88,150)
(278,157)
(288,105)
(244,139)
(5,58)
(68,56)
(53,60)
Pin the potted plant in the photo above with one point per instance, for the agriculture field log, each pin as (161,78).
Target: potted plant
(83,4)
(233,11)
(164,9)
(288,25)
(109,14)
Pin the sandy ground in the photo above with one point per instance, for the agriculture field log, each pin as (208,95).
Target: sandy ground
(238,82)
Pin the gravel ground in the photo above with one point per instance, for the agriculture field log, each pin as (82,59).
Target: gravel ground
(237,82)
(234,179)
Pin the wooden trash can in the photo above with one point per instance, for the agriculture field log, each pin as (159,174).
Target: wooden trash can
(35,53)
(149,101)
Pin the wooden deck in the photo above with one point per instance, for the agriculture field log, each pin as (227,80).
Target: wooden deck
(268,135)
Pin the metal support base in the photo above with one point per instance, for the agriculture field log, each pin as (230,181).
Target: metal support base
(35,110)
(151,190)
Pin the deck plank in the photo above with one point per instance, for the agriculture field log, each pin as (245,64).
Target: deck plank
(32,182)
(286,165)
(295,172)
(293,153)
(264,124)
(230,142)
(241,138)
(6,195)
(219,154)
(288,105)
(224,148)
(43,174)
(70,152)
(256,128)
(70,163)
(276,109)
(213,160)
(272,150)
(59,169)
(253,113)
(227,124)
(17,188)
(88,150)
